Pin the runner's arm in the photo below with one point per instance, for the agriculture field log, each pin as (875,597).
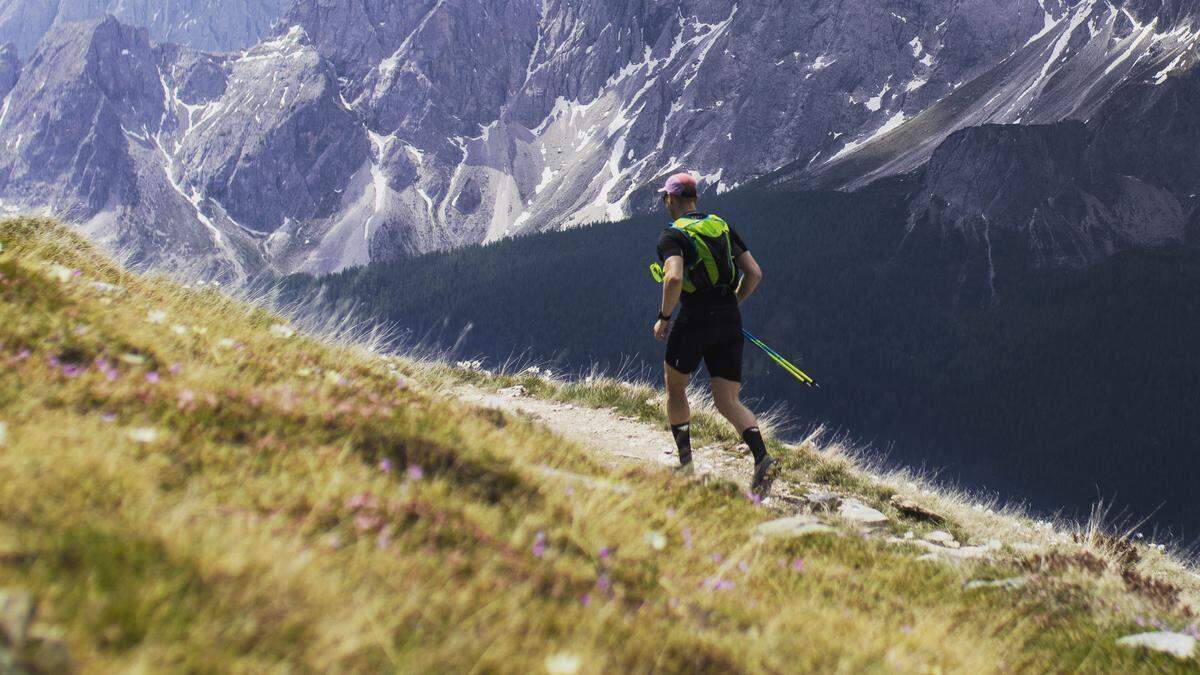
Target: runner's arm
(672,284)
(752,276)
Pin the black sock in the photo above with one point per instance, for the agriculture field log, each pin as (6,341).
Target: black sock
(754,439)
(683,441)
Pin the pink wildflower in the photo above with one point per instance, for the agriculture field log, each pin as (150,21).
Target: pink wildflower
(361,501)
(385,465)
(415,472)
(364,522)
(798,564)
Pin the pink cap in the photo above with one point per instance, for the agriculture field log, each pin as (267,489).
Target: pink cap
(680,185)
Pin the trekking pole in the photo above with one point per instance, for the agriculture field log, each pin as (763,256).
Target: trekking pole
(782,362)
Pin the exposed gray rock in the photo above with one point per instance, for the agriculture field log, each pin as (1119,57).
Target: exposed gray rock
(996,202)
(793,526)
(294,147)
(366,130)
(941,539)
(10,68)
(1086,55)
(1006,584)
(204,24)
(854,510)
(88,133)
(1176,644)
(937,551)
(560,118)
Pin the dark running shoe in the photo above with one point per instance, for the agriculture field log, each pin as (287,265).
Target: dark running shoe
(765,473)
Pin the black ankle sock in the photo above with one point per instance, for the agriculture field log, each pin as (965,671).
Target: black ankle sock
(754,439)
(683,441)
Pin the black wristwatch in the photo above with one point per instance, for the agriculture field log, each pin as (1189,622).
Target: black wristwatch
(663,318)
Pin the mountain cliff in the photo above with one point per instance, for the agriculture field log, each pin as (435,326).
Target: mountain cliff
(366,131)
(221,25)
(413,134)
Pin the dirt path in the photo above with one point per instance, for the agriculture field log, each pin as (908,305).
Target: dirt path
(621,440)
(802,507)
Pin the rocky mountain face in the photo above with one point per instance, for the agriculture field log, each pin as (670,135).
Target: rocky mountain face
(372,129)
(1072,148)
(999,201)
(220,25)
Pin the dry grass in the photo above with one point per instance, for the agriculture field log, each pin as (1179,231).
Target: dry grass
(186,485)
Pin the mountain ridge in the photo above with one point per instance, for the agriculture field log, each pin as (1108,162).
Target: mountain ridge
(573,114)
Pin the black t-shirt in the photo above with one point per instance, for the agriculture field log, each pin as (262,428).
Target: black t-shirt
(674,242)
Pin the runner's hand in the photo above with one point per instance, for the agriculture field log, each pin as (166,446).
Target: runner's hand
(661,329)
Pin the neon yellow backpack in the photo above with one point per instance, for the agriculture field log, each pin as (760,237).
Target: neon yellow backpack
(714,266)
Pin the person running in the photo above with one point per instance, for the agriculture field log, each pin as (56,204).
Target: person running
(707,271)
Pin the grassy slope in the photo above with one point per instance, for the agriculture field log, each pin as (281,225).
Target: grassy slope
(184,485)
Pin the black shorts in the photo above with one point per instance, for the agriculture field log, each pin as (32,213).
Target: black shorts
(713,335)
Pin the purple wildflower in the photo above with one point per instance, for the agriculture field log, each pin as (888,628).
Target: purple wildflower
(687,537)
(71,370)
(798,564)
(605,552)
(603,582)
(716,557)
(718,584)
(385,465)
(744,566)
(176,368)
(152,377)
(23,354)
(586,599)
(539,544)
(670,512)
(906,629)
(415,472)
(109,417)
